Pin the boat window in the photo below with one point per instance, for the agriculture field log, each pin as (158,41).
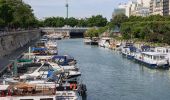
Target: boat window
(148,56)
(162,57)
(159,50)
(154,57)
(46,99)
(50,80)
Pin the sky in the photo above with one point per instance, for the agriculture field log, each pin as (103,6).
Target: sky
(77,8)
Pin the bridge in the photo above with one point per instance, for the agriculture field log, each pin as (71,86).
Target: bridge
(70,32)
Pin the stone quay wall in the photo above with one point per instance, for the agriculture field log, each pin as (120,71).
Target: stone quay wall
(10,41)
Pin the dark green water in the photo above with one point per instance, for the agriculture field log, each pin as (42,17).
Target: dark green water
(108,76)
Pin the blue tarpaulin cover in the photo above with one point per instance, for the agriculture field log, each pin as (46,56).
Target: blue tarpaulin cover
(39,49)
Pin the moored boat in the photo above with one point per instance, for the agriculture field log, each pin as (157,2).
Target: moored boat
(87,40)
(129,52)
(153,59)
(104,42)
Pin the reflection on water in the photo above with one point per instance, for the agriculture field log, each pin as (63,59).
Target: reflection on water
(109,76)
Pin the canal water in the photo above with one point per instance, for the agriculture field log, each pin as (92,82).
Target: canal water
(109,76)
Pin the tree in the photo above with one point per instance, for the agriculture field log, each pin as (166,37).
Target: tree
(119,19)
(54,22)
(98,21)
(6,12)
(111,25)
(15,13)
(92,32)
(71,21)
(102,29)
(2,23)
(82,23)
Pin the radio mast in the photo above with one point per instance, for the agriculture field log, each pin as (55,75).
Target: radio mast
(67,5)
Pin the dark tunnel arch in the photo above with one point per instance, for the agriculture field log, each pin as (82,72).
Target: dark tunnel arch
(76,34)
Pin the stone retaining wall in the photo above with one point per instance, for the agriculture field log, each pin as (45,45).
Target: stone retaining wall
(14,40)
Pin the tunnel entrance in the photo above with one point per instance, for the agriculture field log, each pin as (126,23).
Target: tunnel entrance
(76,35)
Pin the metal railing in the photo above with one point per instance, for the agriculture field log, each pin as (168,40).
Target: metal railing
(4,33)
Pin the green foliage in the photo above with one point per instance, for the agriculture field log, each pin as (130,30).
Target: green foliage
(151,31)
(111,25)
(71,21)
(154,28)
(119,19)
(15,13)
(54,22)
(95,32)
(6,12)
(102,29)
(98,21)
(82,23)
(92,32)
(2,23)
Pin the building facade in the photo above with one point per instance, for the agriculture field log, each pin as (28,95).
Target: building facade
(140,8)
(144,3)
(134,8)
(120,10)
(145,8)
(161,7)
(156,7)
(166,7)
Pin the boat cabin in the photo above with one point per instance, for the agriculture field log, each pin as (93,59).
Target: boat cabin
(164,50)
(154,55)
(64,60)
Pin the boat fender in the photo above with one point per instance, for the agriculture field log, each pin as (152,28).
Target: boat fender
(73,86)
(9,93)
(2,94)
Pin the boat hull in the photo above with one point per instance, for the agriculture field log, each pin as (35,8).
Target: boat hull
(128,56)
(94,43)
(152,66)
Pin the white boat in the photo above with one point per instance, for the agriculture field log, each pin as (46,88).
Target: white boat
(163,50)
(152,59)
(128,52)
(43,40)
(87,40)
(104,42)
(43,70)
(51,44)
(52,47)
